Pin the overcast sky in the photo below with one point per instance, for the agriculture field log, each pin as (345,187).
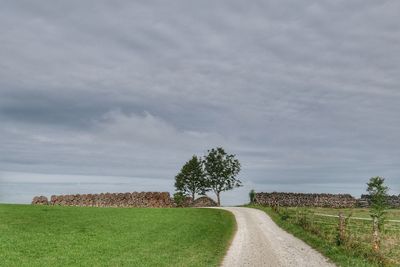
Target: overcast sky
(305,93)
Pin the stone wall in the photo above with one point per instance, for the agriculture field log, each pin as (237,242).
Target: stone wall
(305,200)
(365,202)
(135,199)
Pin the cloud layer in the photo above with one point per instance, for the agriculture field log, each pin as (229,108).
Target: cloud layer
(306,93)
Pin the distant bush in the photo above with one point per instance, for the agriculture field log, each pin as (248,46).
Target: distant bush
(179,199)
(252,196)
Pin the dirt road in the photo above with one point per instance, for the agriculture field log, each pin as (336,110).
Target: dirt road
(260,242)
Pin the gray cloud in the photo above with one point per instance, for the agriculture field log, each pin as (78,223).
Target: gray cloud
(304,92)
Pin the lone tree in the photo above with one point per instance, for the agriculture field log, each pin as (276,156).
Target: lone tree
(221,170)
(191,179)
(378,196)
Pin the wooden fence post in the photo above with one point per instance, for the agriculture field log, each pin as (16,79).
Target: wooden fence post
(342,229)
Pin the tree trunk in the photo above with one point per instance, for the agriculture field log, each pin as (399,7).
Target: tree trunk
(375,235)
(218,199)
(193,195)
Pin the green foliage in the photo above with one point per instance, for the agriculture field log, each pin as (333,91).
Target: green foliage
(284,214)
(303,218)
(76,236)
(191,179)
(252,196)
(221,170)
(276,208)
(378,196)
(179,199)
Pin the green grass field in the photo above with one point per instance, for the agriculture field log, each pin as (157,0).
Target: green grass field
(76,236)
(321,233)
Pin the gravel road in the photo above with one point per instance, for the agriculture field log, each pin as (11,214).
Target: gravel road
(260,242)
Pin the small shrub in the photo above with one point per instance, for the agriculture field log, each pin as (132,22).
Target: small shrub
(285,214)
(179,199)
(302,218)
(252,196)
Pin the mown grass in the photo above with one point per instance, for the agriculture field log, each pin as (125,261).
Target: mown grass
(322,232)
(76,236)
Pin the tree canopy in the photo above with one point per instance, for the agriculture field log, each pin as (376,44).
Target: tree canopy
(378,196)
(191,179)
(221,170)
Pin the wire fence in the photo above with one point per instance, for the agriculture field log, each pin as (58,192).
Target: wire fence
(344,228)
(353,218)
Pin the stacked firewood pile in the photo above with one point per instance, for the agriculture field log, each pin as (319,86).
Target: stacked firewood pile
(186,202)
(135,199)
(204,202)
(42,200)
(305,200)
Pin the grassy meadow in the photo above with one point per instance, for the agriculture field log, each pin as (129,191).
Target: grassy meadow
(321,232)
(83,236)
